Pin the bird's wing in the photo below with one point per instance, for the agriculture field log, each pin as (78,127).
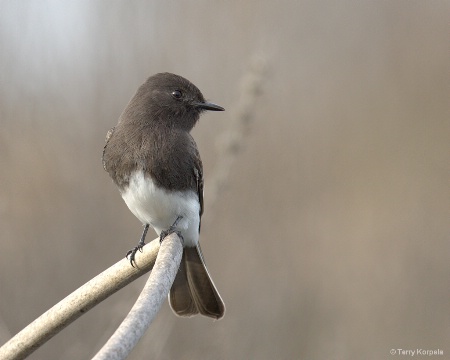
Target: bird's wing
(198,171)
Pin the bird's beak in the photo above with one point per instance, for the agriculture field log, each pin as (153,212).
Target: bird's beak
(209,106)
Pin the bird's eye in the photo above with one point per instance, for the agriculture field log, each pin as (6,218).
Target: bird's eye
(177,94)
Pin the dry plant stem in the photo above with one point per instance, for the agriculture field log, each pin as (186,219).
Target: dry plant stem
(148,304)
(76,304)
(231,143)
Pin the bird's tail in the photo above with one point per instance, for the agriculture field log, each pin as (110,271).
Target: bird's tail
(193,290)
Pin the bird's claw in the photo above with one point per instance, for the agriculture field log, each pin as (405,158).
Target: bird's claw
(166,233)
(140,245)
(132,254)
(170,230)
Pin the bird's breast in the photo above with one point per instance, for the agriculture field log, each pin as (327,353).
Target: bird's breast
(160,207)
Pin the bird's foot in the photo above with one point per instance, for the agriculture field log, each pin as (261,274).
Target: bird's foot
(132,253)
(171,230)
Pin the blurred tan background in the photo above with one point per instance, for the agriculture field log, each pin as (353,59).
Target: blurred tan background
(331,238)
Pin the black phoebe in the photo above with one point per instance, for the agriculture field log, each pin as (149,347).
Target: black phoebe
(154,161)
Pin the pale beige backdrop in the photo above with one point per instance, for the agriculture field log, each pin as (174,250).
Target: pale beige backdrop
(331,238)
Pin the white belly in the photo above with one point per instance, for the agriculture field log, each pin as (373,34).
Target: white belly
(160,208)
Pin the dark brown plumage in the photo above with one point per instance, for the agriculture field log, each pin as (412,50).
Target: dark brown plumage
(155,163)
(153,134)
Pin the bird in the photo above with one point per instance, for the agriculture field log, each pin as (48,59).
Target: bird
(155,163)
